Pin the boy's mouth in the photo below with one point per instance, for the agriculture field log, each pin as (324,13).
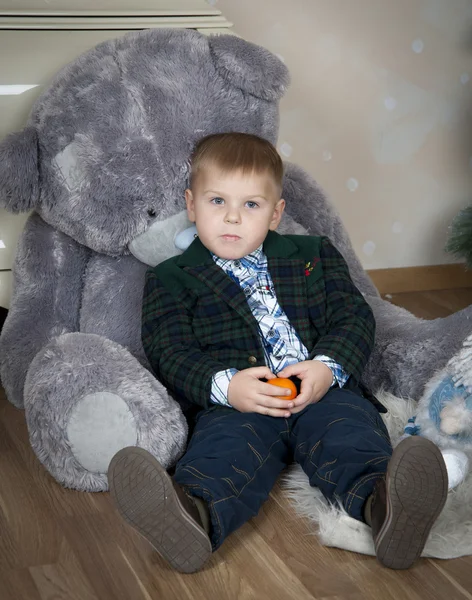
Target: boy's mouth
(230,238)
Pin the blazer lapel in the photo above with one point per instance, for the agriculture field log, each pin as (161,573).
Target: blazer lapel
(226,290)
(288,276)
(198,261)
(287,270)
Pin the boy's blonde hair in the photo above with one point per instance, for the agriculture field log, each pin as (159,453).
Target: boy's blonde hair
(236,151)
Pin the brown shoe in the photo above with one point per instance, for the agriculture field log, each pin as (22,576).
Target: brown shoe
(151,502)
(407,503)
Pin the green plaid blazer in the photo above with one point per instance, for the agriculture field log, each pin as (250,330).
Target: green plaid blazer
(196,320)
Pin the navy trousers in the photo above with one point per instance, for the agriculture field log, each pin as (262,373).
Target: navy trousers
(233,459)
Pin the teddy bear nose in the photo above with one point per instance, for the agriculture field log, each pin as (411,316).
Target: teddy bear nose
(151,212)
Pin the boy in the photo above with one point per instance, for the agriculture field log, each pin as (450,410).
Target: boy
(243,305)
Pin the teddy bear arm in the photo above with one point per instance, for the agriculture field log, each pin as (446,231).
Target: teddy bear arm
(47,288)
(308,205)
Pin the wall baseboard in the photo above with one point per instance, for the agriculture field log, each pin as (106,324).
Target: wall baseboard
(421,279)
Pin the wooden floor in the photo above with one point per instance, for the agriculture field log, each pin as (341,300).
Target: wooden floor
(60,544)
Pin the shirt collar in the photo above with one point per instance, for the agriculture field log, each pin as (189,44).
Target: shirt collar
(254,261)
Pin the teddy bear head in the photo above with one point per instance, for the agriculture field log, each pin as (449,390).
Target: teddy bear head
(104,155)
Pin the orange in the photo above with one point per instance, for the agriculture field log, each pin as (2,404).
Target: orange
(285,383)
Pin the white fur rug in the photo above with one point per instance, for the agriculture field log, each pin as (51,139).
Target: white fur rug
(450,537)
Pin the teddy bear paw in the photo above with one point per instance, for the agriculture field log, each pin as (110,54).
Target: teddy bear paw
(100,424)
(455,418)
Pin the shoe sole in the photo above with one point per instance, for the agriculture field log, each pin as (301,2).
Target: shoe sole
(416,490)
(144,495)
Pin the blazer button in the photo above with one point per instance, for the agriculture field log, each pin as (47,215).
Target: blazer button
(252,360)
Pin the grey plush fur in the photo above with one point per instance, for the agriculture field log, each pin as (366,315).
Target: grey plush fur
(103,161)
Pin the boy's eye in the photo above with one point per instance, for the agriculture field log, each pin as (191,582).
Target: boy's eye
(251,204)
(217,200)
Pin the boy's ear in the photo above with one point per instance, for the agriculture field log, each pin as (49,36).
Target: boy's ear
(278,212)
(190,205)
(19,174)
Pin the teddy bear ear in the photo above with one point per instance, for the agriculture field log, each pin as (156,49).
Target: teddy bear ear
(19,175)
(250,67)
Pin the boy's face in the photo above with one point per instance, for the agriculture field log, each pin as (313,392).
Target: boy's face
(233,212)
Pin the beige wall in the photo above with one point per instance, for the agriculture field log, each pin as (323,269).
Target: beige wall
(379,112)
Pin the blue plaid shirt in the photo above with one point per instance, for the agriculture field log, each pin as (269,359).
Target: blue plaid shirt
(282,346)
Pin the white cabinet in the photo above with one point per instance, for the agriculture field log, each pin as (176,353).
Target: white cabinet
(109,14)
(38,38)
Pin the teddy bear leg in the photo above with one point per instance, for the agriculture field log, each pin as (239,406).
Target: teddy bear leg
(87,397)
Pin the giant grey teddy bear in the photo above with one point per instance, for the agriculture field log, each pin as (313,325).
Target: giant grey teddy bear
(103,165)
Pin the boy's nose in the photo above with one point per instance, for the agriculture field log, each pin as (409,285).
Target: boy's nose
(232,218)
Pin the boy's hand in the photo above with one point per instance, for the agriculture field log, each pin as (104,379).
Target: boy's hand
(316,378)
(247,394)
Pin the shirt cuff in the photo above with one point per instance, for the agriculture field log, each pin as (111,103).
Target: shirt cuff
(339,374)
(219,386)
